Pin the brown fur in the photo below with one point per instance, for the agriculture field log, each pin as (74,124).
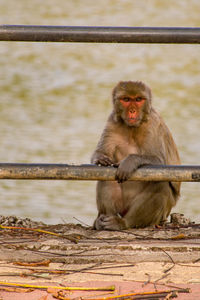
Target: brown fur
(126,204)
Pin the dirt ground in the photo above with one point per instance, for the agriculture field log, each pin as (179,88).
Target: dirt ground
(45,262)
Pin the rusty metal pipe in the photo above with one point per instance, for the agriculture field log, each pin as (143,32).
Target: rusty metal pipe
(91,34)
(93,172)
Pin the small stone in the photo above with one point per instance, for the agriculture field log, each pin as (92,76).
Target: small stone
(179,219)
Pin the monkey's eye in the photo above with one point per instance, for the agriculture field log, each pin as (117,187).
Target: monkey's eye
(126,99)
(138,99)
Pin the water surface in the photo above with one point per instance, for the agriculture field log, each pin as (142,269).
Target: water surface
(55,98)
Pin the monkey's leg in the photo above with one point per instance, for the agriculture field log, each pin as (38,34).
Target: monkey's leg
(151,206)
(109,201)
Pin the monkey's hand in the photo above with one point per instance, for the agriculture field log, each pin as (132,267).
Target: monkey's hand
(104,222)
(127,166)
(103,160)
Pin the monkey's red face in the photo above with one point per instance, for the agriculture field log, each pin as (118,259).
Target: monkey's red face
(132,109)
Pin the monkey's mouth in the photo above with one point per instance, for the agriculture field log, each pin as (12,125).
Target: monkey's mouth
(133,122)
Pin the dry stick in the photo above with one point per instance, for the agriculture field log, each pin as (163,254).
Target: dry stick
(145,295)
(165,285)
(115,266)
(81,222)
(47,253)
(171,260)
(197,260)
(186,265)
(67,288)
(156,281)
(28,240)
(87,269)
(164,276)
(77,254)
(51,271)
(40,231)
(129,232)
(38,273)
(29,229)
(68,272)
(7,274)
(148,280)
(153,297)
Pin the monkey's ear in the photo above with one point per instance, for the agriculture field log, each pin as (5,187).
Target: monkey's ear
(114,93)
(115,116)
(149,105)
(118,87)
(149,97)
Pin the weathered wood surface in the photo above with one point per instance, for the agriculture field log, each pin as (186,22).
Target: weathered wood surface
(76,244)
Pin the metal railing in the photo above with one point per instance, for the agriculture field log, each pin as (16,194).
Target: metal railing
(86,34)
(93,172)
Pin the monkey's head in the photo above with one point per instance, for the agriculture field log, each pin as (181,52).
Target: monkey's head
(132,102)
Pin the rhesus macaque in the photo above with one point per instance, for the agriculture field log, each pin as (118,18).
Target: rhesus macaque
(135,135)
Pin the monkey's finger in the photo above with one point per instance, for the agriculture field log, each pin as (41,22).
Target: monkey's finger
(111,223)
(109,162)
(107,218)
(99,222)
(120,176)
(107,222)
(102,217)
(115,165)
(117,177)
(104,161)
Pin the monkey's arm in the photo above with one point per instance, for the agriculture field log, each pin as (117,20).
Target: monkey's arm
(103,155)
(131,163)
(172,158)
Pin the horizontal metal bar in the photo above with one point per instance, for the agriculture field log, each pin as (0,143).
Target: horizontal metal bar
(93,172)
(90,34)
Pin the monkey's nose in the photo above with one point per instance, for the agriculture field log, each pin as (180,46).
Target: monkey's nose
(132,111)
(132,114)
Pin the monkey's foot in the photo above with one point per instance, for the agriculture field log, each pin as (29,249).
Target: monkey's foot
(105,222)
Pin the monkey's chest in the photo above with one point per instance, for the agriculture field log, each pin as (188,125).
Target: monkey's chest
(123,149)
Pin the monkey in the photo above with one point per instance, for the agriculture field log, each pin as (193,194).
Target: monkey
(135,135)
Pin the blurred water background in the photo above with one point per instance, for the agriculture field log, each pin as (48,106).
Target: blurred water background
(55,97)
